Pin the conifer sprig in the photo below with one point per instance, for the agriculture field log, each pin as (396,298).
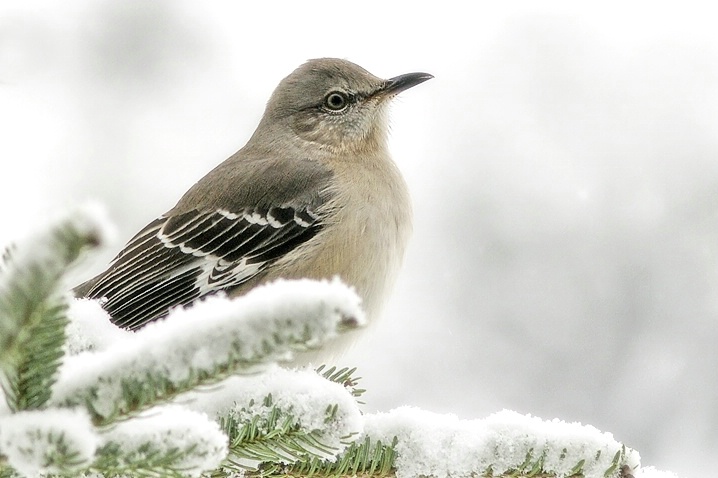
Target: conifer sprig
(32,309)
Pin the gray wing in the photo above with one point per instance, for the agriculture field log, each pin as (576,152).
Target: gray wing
(235,222)
(179,258)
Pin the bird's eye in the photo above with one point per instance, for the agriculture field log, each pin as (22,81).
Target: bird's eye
(336,101)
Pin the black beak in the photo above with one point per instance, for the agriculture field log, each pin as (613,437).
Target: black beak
(396,85)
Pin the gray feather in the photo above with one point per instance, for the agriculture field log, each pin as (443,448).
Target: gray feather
(217,238)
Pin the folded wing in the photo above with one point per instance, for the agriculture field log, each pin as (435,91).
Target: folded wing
(177,259)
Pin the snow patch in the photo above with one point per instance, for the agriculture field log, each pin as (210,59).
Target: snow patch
(88,221)
(167,430)
(48,441)
(263,326)
(91,219)
(302,393)
(431,444)
(90,328)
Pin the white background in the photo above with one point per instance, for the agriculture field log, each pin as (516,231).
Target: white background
(563,165)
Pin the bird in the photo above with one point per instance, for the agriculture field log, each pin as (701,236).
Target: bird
(314,194)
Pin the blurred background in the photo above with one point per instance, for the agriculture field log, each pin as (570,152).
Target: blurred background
(563,166)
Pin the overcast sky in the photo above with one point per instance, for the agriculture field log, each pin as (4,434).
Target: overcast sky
(563,166)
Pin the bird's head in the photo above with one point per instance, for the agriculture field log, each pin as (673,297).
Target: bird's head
(336,104)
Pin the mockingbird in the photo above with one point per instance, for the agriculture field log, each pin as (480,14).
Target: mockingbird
(314,193)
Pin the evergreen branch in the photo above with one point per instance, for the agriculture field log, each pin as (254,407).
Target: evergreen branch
(6,471)
(363,458)
(32,312)
(344,377)
(283,417)
(168,441)
(47,441)
(146,461)
(504,444)
(31,387)
(237,336)
(264,435)
(285,432)
(377,460)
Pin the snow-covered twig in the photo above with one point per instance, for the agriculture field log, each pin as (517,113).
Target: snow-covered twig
(281,416)
(48,441)
(32,308)
(205,343)
(163,441)
(430,444)
(275,422)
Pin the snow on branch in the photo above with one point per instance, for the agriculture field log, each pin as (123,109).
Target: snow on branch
(163,441)
(430,444)
(281,416)
(32,309)
(48,441)
(264,421)
(90,328)
(204,343)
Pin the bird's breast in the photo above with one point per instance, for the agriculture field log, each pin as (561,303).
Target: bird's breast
(368,230)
